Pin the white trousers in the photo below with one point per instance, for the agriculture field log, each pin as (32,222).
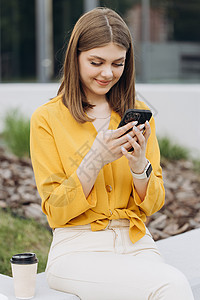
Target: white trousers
(106,265)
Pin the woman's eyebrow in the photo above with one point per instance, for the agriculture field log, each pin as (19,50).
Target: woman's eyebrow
(121,58)
(98,57)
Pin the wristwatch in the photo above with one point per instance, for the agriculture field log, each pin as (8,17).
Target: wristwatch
(145,174)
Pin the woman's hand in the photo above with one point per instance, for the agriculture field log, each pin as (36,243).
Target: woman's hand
(138,140)
(137,160)
(108,143)
(105,149)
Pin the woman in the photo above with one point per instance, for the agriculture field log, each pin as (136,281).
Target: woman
(96,194)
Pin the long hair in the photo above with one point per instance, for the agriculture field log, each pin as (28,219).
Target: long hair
(97,28)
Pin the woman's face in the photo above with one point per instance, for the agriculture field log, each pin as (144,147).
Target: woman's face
(100,68)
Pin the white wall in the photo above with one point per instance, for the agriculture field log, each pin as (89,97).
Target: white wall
(177,112)
(176,107)
(27,96)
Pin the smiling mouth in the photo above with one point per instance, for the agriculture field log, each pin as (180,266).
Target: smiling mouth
(103,82)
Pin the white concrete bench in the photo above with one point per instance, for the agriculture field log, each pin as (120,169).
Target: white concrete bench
(181,251)
(43,292)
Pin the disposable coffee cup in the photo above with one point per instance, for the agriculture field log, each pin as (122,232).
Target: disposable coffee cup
(24,270)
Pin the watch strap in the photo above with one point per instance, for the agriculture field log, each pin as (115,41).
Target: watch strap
(145,174)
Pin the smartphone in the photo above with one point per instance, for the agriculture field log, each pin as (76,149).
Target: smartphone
(131,115)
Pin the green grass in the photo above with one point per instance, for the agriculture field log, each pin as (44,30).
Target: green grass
(196,164)
(19,235)
(16,133)
(171,151)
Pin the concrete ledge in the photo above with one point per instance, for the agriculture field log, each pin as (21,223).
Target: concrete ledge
(181,251)
(43,292)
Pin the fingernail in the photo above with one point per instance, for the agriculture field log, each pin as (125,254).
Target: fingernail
(135,128)
(142,126)
(134,123)
(123,149)
(147,122)
(129,137)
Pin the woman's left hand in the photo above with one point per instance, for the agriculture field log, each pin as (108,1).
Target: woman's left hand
(136,158)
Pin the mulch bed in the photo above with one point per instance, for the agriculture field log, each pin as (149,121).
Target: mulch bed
(181,211)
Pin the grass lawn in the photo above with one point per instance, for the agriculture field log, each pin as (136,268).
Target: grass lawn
(19,235)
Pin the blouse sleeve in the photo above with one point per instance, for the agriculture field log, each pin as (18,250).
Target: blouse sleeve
(62,196)
(155,194)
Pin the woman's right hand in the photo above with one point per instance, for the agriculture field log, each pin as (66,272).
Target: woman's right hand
(107,144)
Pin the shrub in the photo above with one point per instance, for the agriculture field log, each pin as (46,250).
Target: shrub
(16,133)
(196,164)
(171,151)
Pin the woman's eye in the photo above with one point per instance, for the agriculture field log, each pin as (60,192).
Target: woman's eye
(95,63)
(119,65)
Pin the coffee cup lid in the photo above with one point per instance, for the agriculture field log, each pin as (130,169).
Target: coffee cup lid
(24,259)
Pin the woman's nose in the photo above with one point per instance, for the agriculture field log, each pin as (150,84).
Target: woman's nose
(107,72)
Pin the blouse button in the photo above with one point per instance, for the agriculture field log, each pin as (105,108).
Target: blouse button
(108,188)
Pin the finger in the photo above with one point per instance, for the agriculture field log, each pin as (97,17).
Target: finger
(123,139)
(126,153)
(134,144)
(122,130)
(126,145)
(130,138)
(147,131)
(141,127)
(140,137)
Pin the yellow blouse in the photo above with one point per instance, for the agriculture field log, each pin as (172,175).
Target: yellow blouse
(58,145)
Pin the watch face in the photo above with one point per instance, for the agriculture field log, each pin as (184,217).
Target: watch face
(149,170)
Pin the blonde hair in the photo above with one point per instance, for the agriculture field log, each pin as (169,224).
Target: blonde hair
(97,28)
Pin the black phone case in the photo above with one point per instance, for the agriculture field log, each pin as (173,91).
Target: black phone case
(131,115)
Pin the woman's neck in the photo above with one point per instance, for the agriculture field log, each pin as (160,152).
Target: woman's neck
(101,110)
